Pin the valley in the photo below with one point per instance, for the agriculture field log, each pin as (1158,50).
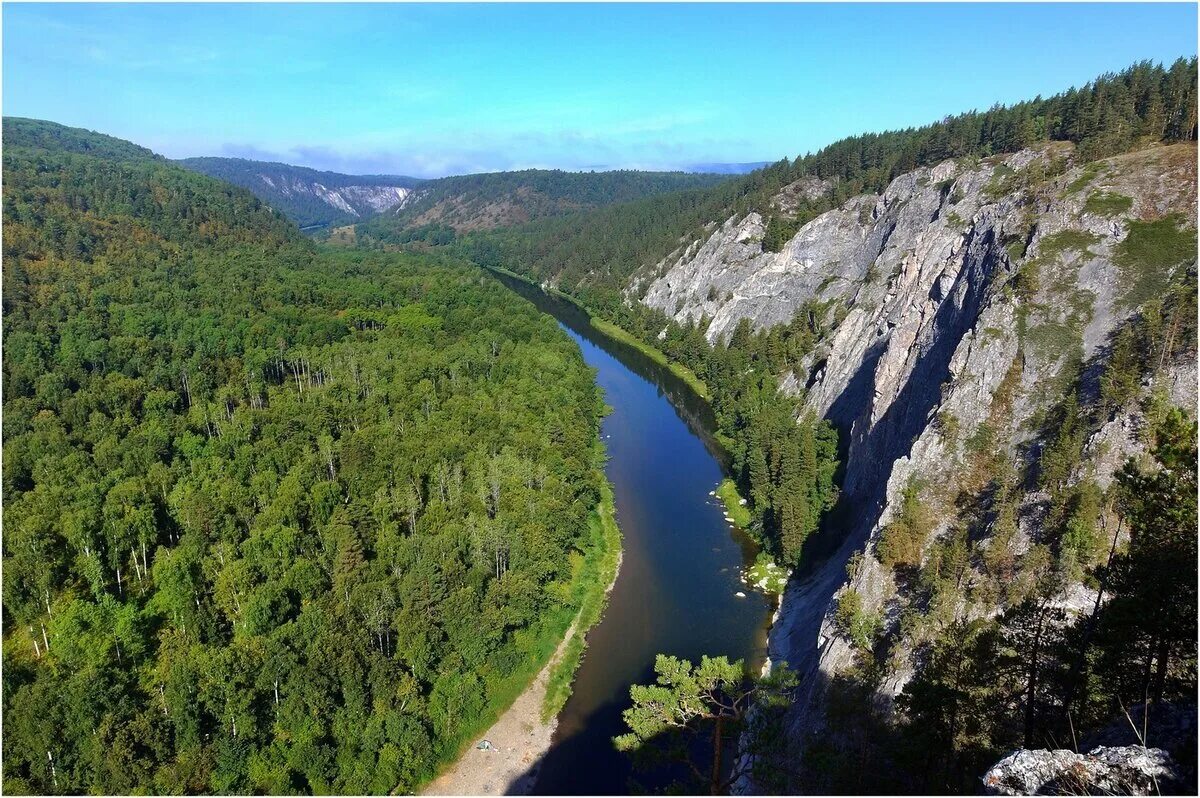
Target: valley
(311,479)
(663,463)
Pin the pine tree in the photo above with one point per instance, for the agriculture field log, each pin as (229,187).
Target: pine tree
(760,477)
(349,560)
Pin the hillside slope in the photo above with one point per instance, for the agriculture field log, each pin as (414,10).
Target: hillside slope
(403,209)
(276,519)
(976,311)
(502,199)
(309,197)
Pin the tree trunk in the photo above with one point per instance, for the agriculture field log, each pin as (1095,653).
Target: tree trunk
(1031,695)
(715,782)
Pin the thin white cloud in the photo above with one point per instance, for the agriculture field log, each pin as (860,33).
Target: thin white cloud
(469,152)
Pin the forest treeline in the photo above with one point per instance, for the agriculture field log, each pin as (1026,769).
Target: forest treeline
(276,520)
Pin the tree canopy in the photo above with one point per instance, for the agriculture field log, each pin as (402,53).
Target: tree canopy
(277,519)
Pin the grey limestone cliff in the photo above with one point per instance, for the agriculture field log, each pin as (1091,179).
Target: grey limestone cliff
(353,200)
(966,294)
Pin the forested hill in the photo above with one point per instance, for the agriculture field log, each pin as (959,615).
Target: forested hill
(37,134)
(74,194)
(441,208)
(276,520)
(407,208)
(310,197)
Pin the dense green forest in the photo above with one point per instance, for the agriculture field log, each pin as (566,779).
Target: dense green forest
(276,184)
(276,520)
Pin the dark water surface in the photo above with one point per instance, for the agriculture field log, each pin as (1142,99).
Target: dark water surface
(682,562)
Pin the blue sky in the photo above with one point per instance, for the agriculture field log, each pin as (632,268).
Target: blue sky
(436,89)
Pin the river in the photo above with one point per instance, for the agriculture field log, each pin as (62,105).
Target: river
(682,562)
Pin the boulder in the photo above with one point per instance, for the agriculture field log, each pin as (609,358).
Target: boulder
(1125,770)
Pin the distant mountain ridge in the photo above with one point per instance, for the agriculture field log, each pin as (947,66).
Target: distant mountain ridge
(313,198)
(500,199)
(310,197)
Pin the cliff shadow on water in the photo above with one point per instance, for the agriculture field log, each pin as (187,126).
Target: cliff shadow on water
(681,589)
(692,408)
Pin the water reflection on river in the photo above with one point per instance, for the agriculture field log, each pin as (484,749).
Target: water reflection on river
(676,592)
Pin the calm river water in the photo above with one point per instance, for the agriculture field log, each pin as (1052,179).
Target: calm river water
(676,591)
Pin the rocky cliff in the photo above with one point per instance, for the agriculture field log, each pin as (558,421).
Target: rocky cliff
(309,197)
(963,302)
(355,201)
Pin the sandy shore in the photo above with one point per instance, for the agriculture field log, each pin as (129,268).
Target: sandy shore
(519,737)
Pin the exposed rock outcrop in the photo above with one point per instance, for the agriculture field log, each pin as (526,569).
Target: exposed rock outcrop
(309,197)
(964,295)
(353,200)
(1129,770)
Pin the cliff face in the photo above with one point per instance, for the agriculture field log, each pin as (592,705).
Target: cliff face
(355,201)
(964,295)
(309,197)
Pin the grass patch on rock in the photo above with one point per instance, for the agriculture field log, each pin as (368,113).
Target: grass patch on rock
(1089,173)
(735,505)
(766,575)
(1057,244)
(1001,182)
(1149,253)
(1107,203)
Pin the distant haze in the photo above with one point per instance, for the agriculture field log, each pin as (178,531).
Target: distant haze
(728,168)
